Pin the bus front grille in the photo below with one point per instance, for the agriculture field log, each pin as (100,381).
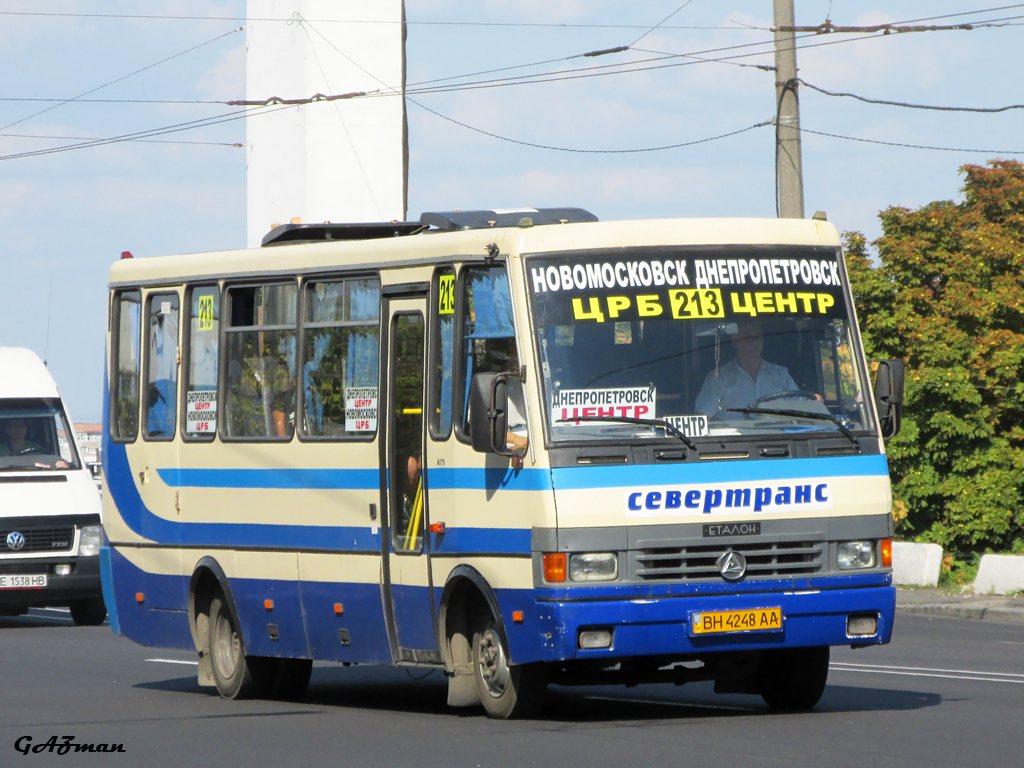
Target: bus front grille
(42,539)
(774,560)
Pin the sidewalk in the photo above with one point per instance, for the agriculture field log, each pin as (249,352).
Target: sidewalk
(940,602)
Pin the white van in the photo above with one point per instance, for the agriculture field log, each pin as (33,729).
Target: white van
(50,533)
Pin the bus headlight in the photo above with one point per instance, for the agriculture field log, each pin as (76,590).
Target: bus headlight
(594,566)
(90,541)
(856,554)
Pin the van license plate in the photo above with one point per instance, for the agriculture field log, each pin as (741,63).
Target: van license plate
(22,580)
(716,622)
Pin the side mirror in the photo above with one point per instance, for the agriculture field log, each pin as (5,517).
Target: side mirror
(488,413)
(889,396)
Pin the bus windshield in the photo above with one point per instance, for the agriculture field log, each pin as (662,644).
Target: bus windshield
(748,342)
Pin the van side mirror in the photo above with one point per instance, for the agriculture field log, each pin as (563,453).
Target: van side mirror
(889,396)
(488,413)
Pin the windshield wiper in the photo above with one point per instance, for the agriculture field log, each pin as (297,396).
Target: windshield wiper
(646,422)
(796,413)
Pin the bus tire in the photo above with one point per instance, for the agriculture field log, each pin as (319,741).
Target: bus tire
(793,678)
(235,675)
(506,690)
(88,612)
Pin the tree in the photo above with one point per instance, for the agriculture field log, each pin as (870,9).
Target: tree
(947,296)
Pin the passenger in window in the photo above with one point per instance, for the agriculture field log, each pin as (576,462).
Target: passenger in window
(745,378)
(15,431)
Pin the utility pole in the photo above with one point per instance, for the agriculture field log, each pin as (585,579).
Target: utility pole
(788,164)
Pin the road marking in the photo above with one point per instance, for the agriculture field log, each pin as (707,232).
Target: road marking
(951,674)
(174,661)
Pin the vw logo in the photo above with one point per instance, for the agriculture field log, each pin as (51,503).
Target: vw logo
(732,565)
(15,540)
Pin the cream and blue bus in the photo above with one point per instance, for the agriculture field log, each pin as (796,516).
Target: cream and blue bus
(521,447)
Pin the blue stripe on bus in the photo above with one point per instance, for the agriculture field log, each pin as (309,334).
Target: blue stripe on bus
(139,518)
(438,478)
(277,477)
(579,478)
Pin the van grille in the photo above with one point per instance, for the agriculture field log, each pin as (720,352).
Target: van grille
(783,559)
(39,539)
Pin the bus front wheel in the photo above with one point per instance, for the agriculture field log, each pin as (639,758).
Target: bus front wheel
(506,690)
(793,678)
(235,675)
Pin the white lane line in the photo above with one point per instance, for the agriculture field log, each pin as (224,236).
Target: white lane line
(949,674)
(930,669)
(174,661)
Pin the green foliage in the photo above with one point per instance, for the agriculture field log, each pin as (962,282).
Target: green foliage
(947,296)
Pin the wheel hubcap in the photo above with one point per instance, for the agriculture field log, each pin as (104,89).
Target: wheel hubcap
(227,649)
(493,666)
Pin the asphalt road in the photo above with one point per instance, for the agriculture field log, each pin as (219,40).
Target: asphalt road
(946,692)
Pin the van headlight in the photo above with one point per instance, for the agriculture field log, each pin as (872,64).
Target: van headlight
(594,566)
(856,554)
(90,540)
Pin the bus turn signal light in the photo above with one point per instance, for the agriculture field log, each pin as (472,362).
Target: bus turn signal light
(887,553)
(554,567)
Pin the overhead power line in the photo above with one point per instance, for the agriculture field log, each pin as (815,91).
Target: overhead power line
(119,79)
(988,110)
(913,146)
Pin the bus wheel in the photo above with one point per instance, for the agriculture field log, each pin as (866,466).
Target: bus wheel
(506,690)
(235,675)
(793,678)
(89,612)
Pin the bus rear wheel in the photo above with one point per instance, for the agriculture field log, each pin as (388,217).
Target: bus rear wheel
(793,678)
(506,690)
(235,675)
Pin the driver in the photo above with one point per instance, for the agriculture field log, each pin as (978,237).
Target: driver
(15,443)
(745,378)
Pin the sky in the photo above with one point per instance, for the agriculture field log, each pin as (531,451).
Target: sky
(675,126)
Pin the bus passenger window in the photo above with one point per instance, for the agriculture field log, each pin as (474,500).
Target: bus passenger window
(201,348)
(488,333)
(161,365)
(340,358)
(260,359)
(124,383)
(442,340)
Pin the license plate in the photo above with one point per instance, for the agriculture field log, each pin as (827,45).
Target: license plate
(718,622)
(22,580)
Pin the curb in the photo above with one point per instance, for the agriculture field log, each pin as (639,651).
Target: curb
(994,613)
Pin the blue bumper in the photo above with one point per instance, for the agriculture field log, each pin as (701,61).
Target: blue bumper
(643,624)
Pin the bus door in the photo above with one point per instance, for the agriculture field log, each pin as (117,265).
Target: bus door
(407,582)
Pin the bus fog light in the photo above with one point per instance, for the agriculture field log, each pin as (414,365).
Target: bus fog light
(595,638)
(862,625)
(856,554)
(594,566)
(90,541)
(64,569)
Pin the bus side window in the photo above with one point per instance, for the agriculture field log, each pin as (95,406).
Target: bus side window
(340,358)
(161,393)
(201,350)
(260,360)
(442,352)
(124,381)
(488,333)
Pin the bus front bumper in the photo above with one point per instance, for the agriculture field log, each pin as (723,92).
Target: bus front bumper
(669,624)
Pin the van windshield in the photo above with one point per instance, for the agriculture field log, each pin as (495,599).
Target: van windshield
(35,436)
(719,343)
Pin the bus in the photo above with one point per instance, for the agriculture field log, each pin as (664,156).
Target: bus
(515,446)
